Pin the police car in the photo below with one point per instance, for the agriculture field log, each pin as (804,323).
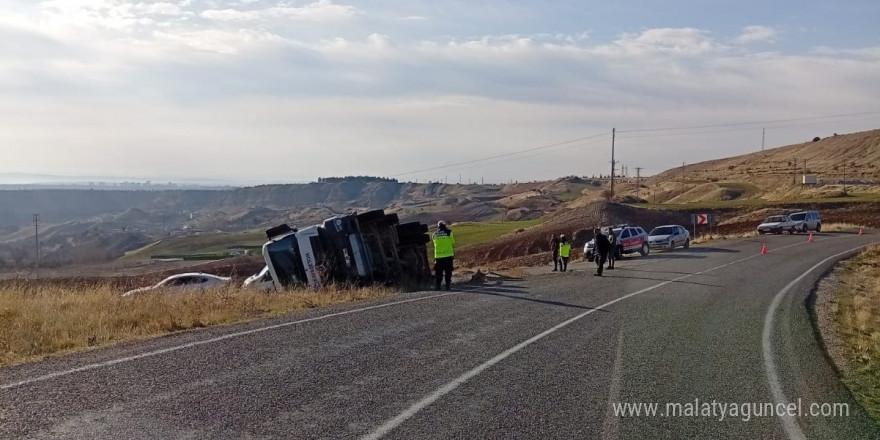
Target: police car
(629,240)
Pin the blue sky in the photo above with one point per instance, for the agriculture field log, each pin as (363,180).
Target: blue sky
(255,91)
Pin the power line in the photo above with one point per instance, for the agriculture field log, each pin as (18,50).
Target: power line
(524,156)
(512,153)
(733,124)
(697,133)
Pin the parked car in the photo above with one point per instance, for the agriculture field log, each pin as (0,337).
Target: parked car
(261,280)
(630,239)
(806,221)
(776,224)
(669,237)
(184,282)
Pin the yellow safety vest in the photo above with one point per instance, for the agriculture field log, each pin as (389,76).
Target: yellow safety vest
(564,249)
(443,243)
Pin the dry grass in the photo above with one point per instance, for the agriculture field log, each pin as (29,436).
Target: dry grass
(718,237)
(856,310)
(835,227)
(39,320)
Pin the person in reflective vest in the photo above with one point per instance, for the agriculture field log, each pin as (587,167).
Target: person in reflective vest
(444,243)
(564,252)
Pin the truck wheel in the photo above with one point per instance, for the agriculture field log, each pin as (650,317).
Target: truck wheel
(411,228)
(391,219)
(644,250)
(371,216)
(409,240)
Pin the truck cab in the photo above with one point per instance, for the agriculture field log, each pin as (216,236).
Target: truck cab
(347,249)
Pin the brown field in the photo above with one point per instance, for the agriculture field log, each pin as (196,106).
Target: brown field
(40,319)
(854,317)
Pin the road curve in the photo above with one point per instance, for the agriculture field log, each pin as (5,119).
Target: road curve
(550,356)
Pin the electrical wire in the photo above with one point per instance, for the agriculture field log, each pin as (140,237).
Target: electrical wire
(733,124)
(468,162)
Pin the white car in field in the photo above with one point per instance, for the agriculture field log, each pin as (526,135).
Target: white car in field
(192,281)
(261,281)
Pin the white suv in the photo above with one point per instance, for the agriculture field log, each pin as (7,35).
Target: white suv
(806,221)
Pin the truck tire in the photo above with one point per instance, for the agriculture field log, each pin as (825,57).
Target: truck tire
(411,228)
(419,239)
(371,216)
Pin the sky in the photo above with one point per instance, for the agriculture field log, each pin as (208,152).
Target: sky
(271,91)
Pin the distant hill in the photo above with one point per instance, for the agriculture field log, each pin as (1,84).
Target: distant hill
(76,218)
(775,174)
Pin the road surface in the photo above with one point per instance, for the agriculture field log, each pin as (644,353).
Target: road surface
(551,356)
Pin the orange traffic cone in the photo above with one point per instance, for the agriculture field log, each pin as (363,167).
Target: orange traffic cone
(861,230)
(811,238)
(763,248)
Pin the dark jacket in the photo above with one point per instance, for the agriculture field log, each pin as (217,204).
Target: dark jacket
(554,245)
(602,243)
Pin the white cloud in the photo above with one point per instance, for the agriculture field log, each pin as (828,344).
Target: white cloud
(224,77)
(320,11)
(756,34)
(662,41)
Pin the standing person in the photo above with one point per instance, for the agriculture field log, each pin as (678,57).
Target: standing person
(564,252)
(554,250)
(612,247)
(443,254)
(602,248)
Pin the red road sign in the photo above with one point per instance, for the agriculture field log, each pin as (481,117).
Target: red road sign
(702,219)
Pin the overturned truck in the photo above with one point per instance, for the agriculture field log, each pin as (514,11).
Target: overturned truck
(351,249)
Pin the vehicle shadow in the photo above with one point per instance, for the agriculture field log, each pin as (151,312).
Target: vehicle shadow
(659,279)
(497,292)
(664,255)
(708,250)
(664,271)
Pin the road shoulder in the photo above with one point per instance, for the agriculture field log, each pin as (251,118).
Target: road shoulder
(844,320)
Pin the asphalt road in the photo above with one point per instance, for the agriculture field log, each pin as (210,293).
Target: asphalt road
(544,357)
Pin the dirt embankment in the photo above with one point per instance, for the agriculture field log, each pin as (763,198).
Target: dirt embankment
(530,247)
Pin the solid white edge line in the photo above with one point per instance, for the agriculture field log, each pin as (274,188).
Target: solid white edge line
(789,423)
(206,341)
(389,425)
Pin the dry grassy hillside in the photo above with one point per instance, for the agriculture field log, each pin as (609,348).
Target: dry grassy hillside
(775,174)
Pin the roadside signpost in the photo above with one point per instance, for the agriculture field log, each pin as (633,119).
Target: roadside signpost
(701,219)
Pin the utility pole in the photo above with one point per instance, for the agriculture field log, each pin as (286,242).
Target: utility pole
(638,179)
(37,238)
(762,138)
(844,177)
(682,174)
(613,135)
(794,172)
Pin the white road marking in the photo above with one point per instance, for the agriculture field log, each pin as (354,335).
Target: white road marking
(788,422)
(206,341)
(389,425)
